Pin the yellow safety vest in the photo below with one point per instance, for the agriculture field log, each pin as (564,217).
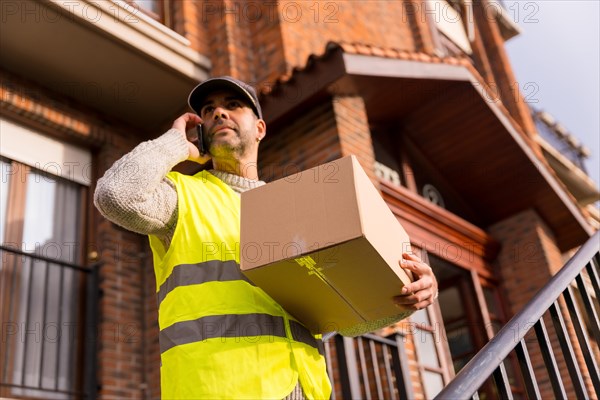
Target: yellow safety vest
(221,337)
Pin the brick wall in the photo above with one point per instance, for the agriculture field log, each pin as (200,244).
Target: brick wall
(354,132)
(151,347)
(189,19)
(308,26)
(334,129)
(268,59)
(522,262)
(122,353)
(307,141)
(241,39)
(411,353)
(524,268)
(260,41)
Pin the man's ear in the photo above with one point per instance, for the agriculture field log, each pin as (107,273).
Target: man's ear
(261,129)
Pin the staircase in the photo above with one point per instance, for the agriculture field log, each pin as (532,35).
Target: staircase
(572,295)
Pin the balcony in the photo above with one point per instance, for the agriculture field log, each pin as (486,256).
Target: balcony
(557,135)
(566,157)
(105,55)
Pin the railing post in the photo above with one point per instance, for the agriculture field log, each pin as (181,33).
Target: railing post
(351,368)
(531,385)
(582,337)
(403,374)
(502,383)
(91,333)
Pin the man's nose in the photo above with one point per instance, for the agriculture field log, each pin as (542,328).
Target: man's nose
(220,113)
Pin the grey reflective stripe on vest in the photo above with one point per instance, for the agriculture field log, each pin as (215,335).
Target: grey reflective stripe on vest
(194,274)
(244,326)
(301,334)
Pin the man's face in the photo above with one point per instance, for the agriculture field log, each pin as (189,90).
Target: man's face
(229,124)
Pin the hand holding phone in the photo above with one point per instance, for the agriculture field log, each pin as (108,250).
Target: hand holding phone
(198,152)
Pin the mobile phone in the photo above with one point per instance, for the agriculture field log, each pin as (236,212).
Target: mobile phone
(201,144)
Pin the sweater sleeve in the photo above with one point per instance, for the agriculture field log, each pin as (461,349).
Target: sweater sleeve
(135,193)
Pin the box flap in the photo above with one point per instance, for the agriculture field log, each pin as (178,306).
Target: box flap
(379,225)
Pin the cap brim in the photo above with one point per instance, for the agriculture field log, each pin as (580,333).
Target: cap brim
(199,94)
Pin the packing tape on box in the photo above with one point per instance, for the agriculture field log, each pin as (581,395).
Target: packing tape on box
(359,329)
(311,265)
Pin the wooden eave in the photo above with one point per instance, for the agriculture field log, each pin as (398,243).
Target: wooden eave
(449,114)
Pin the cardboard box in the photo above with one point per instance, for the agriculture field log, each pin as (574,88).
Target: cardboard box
(324,245)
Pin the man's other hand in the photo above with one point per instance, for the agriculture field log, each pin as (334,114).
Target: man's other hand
(423,291)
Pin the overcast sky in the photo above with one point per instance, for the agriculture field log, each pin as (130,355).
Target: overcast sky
(559,51)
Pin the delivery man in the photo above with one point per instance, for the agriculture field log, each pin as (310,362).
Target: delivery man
(220,336)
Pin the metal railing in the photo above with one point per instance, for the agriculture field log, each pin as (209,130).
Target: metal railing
(562,144)
(49,319)
(490,359)
(368,367)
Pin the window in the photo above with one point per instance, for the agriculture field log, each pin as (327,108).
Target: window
(458,329)
(426,343)
(41,233)
(157,9)
(4,182)
(432,352)
(386,152)
(494,308)
(460,311)
(149,5)
(450,33)
(498,319)
(465,319)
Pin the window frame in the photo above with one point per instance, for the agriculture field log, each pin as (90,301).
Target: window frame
(164,15)
(442,369)
(10,288)
(437,329)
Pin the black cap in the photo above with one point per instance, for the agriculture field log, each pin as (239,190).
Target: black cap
(203,90)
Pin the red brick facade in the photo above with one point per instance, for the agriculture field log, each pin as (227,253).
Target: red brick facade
(309,140)
(263,42)
(353,130)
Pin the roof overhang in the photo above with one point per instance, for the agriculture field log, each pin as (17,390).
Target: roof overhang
(105,55)
(455,123)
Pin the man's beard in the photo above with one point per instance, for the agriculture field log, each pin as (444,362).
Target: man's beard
(227,149)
